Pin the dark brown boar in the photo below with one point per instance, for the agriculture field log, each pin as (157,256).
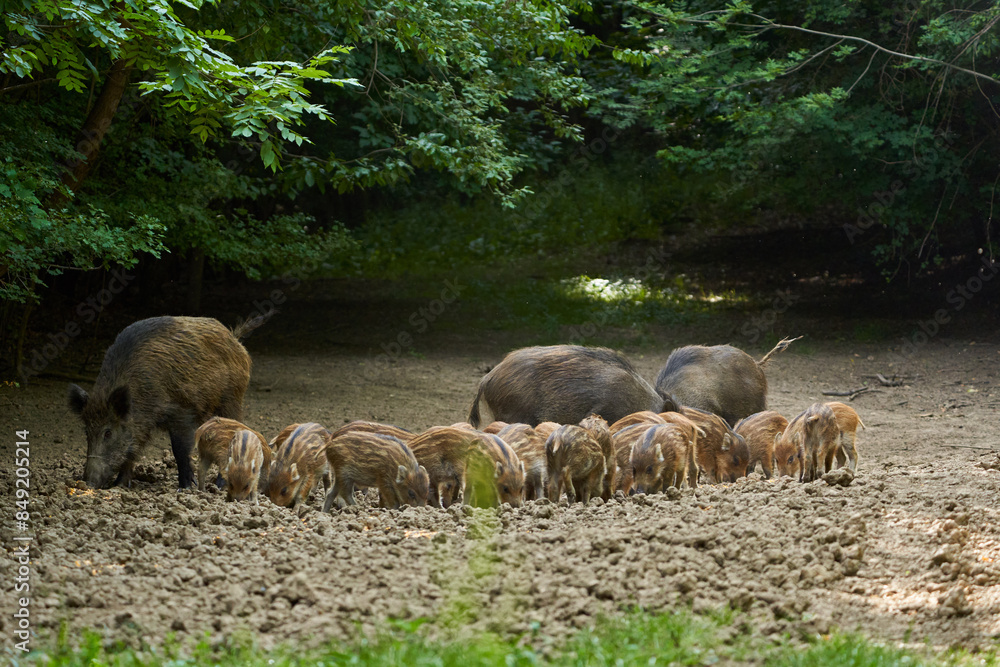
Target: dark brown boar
(660,459)
(373,427)
(495,475)
(721,454)
(444,453)
(162,373)
(848,422)
(601,432)
(643,417)
(564,384)
(720,379)
(623,442)
(298,464)
(361,458)
(530,449)
(233,447)
(761,431)
(575,463)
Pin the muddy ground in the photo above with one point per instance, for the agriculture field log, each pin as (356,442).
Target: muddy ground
(910,551)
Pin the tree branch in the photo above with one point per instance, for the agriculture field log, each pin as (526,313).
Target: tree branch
(771,24)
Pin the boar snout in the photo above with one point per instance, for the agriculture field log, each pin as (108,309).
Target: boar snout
(97,473)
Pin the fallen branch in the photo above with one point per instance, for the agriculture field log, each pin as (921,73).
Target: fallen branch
(849,394)
(988,449)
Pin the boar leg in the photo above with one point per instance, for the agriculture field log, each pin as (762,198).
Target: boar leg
(692,468)
(852,453)
(203,465)
(181,444)
(124,477)
(765,464)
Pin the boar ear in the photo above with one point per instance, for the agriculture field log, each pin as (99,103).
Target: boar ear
(498,471)
(659,453)
(726,442)
(400,474)
(294,470)
(77,399)
(120,401)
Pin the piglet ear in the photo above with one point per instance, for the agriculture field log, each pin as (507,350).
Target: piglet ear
(295,472)
(400,474)
(120,401)
(423,470)
(498,471)
(77,399)
(522,468)
(726,442)
(659,453)
(777,437)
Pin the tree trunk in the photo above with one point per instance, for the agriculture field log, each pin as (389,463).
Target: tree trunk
(95,127)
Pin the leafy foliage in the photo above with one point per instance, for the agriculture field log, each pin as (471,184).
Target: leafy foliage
(36,241)
(786,97)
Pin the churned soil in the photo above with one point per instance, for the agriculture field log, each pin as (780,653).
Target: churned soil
(908,550)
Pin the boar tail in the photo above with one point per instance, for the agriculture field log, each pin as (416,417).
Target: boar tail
(780,347)
(246,328)
(474,417)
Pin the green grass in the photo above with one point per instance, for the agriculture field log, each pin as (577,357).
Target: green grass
(636,638)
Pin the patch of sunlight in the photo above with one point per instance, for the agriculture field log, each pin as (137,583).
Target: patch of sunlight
(636,292)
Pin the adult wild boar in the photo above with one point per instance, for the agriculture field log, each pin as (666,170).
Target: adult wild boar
(720,379)
(161,373)
(564,384)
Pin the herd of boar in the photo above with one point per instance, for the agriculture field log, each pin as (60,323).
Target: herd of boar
(567,419)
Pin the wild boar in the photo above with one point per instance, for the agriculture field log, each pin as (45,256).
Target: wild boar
(643,417)
(760,430)
(720,379)
(381,461)
(444,453)
(564,384)
(623,441)
(373,427)
(530,449)
(848,422)
(495,475)
(494,427)
(813,436)
(660,459)
(575,463)
(691,432)
(721,454)
(278,440)
(545,429)
(244,461)
(298,464)
(161,373)
(600,432)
